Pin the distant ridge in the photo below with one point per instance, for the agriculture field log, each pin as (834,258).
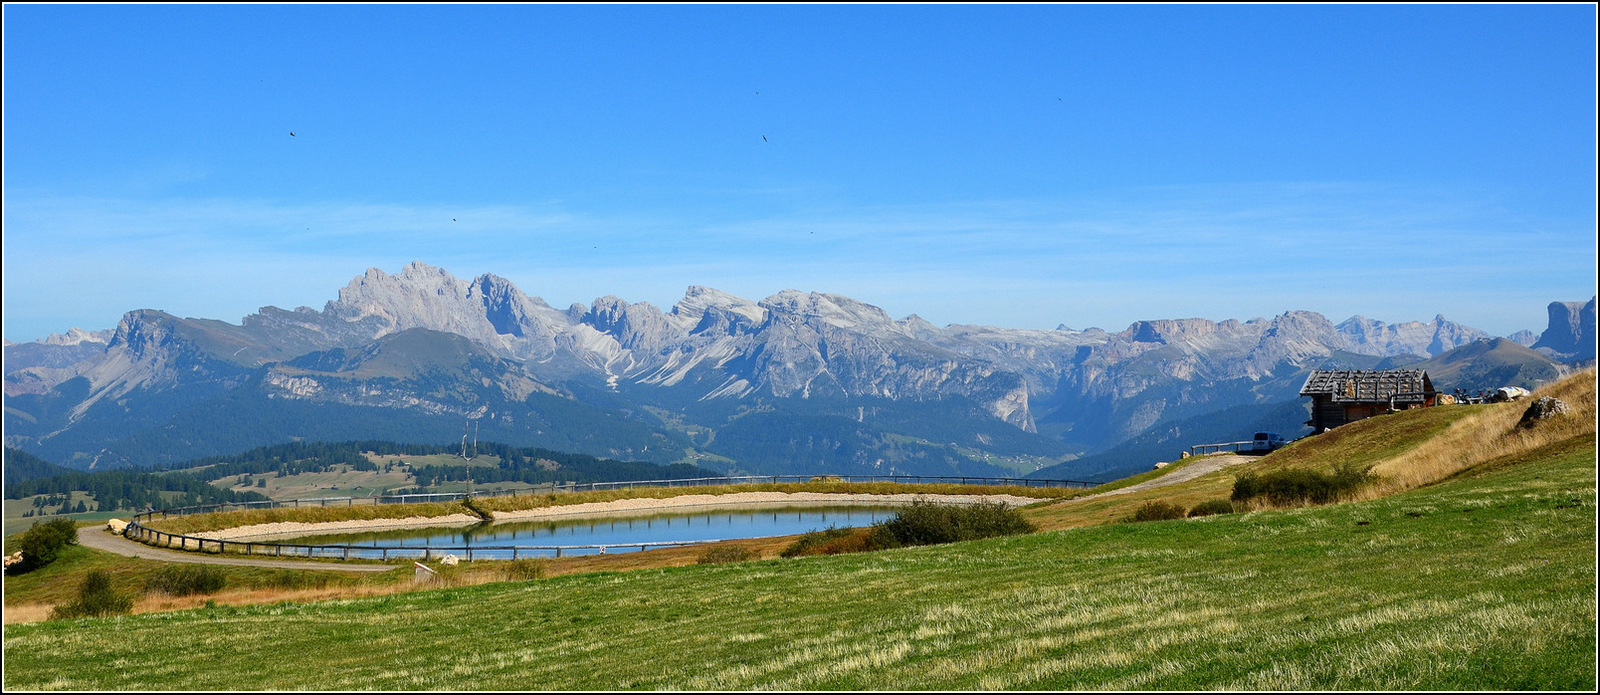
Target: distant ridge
(834,383)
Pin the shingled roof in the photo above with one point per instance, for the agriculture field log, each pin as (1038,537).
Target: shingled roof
(1369,385)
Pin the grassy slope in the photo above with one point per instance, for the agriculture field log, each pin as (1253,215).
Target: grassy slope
(58,582)
(1483,581)
(1364,442)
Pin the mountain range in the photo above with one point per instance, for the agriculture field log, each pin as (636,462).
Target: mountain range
(794,383)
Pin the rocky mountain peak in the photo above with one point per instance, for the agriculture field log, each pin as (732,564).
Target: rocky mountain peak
(832,309)
(1294,337)
(689,312)
(510,311)
(78,336)
(1571,332)
(919,328)
(1436,337)
(635,326)
(142,330)
(1166,331)
(1524,337)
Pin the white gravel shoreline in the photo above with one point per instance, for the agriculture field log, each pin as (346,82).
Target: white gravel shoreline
(623,507)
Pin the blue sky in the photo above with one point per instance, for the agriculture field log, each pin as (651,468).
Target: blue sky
(1021,166)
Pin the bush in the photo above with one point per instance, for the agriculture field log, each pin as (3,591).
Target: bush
(1209,507)
(44,541)
(96,597)
(1157,511)
(716,555)
(929,523)
(523,570)
(811,543)
(1300,486)
(184,579)
(919,523)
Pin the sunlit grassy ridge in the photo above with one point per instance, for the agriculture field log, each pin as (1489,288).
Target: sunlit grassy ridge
(1406,450)
(1483,581)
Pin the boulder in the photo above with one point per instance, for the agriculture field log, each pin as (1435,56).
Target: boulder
(1506,394)
(1543,409)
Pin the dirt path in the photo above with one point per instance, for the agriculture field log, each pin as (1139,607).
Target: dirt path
(99,538)
(1210,464)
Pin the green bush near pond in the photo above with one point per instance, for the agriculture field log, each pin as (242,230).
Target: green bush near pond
(931,523)
(919,523)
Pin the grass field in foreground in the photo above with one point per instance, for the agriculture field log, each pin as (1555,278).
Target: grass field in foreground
(1484,581)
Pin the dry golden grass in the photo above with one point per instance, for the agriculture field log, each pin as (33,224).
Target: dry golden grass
(28,612)
(1488,435)
(1437,443)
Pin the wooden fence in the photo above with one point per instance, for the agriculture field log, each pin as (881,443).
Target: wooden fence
(1202,449)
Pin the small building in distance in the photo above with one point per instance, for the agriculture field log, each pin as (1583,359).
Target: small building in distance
(1343,396)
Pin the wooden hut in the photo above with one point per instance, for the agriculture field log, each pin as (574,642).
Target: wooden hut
(1342,396)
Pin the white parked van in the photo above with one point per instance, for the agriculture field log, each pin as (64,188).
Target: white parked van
(1267,441)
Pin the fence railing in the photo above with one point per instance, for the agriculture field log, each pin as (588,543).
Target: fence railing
(1202,449)
(138,531)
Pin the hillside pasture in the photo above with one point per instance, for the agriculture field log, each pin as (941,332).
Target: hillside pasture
(1480,582)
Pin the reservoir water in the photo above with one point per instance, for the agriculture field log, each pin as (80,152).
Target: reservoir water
(618,531)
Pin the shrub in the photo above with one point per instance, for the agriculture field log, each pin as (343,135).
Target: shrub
(1157,510)
(184,579)
(919,523)
(96,597)
(522,570)
(1209,507)
(929,523)
(810,543)
(724,553)
(1300,486)
(44,541)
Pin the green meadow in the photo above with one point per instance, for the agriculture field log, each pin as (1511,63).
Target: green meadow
(1483,581)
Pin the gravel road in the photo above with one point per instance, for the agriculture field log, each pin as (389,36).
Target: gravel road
(1210,464)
